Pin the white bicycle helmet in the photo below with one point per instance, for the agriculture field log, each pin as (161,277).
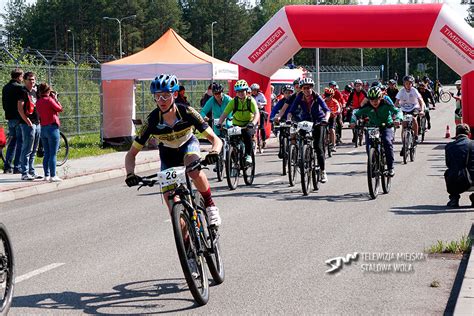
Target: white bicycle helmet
(457,82)
(306,81)
(255,86)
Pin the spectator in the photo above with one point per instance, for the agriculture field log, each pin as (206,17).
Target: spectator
(182,99)
(11,93)
(459,155)
(457,97)
(437,86)
(30,128)
(48,108)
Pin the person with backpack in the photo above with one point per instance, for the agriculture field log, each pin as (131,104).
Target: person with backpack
(30,128)
(245,114)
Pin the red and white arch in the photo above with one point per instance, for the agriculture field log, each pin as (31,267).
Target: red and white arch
(435,26)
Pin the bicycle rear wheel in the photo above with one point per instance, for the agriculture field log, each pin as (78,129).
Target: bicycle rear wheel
(191,261)
(292,164)
(232,168)
(7,271)
(373,176)
(249,171)
(63,150)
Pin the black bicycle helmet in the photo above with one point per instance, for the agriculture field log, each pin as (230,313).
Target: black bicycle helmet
(217,87)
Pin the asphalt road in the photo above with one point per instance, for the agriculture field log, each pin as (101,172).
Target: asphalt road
(108,249)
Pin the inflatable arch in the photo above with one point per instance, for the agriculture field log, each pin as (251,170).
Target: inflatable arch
(435,26)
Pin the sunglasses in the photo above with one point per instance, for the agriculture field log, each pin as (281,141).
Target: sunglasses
(164,97)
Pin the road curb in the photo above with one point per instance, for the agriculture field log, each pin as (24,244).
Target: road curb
(72,182)
(465,300)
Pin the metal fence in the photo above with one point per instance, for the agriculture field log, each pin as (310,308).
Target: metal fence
(78,84)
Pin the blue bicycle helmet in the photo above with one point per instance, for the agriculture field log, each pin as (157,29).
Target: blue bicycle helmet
(164,83)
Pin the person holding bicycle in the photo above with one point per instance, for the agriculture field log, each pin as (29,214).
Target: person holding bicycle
(313,109)
(216,105)
(410,102)
(261,103)
(172,125)
(384,115)
(245,114)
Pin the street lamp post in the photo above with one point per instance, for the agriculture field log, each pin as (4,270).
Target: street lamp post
(73,45)
(212,38)
(120,27)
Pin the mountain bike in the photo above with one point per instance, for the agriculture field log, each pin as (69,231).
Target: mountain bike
(293,154)
(377,170)
(284,138)
(408,138)
(235,158)
(359,133)
(219,168)
(423,126)
(309,169)
(197,243)
(62,154)
(258,135)
(7,270)
(327,144)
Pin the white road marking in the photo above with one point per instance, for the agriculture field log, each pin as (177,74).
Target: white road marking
(37,271)
(273,181)
(352,151)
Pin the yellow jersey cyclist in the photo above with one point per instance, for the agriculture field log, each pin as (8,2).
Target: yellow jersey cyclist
(172,125)
(245,114)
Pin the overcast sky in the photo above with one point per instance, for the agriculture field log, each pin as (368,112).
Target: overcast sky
(455,4)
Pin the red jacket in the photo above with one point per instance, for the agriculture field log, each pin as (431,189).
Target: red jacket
(48,109)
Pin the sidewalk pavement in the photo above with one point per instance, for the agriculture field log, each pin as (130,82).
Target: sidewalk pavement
(76,172)
(88,170)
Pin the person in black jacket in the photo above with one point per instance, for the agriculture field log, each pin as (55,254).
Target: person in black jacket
(11,93)
(456,154)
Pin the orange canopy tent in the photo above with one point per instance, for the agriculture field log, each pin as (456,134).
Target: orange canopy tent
(169,54)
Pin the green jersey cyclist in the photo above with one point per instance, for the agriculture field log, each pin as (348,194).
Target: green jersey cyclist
(172,125)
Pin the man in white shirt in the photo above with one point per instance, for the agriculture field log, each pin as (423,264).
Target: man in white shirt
(261,103)
(409,100)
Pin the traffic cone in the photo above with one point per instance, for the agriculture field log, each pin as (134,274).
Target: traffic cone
(448,133)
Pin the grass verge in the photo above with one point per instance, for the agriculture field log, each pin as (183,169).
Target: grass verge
(457,247)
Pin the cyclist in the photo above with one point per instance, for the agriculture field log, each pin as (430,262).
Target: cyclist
(337,94)
(313,109)
(355,101)
(172,124)
(289,102)
(287,93)
(335,107)
(346,92)
(261,103)
(411,102)
(392,90)
(384,115)
(216,105)
(383,90)
(427,97)
(245,114)
(436,88)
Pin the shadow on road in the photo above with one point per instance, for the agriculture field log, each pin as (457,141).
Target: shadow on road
(146,297)
(429,209)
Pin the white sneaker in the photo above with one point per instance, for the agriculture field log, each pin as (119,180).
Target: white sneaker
(324,177)
(56,179)
(47,178)
(214,217)
(27,177)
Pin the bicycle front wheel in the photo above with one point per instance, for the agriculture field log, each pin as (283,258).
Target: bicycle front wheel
(373,176)
(63,150)
(412,148)
(232,167)
(292,164)
(249,171)
(305,169)
(7,271)
(191,261)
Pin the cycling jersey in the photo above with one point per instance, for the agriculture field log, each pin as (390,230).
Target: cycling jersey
(314,112)
(345,96)
(171,136)
(338,96)
(333,105)
(408,99)
(260,99)
(356,98)
(277,109)
(242,116)
(377,117)
(216,109)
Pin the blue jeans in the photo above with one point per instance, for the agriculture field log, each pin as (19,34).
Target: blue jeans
(31,136)
(13,154)
(387,137)
(50,140)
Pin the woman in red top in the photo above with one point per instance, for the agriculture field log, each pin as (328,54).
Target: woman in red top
(48,108)
(335,108)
